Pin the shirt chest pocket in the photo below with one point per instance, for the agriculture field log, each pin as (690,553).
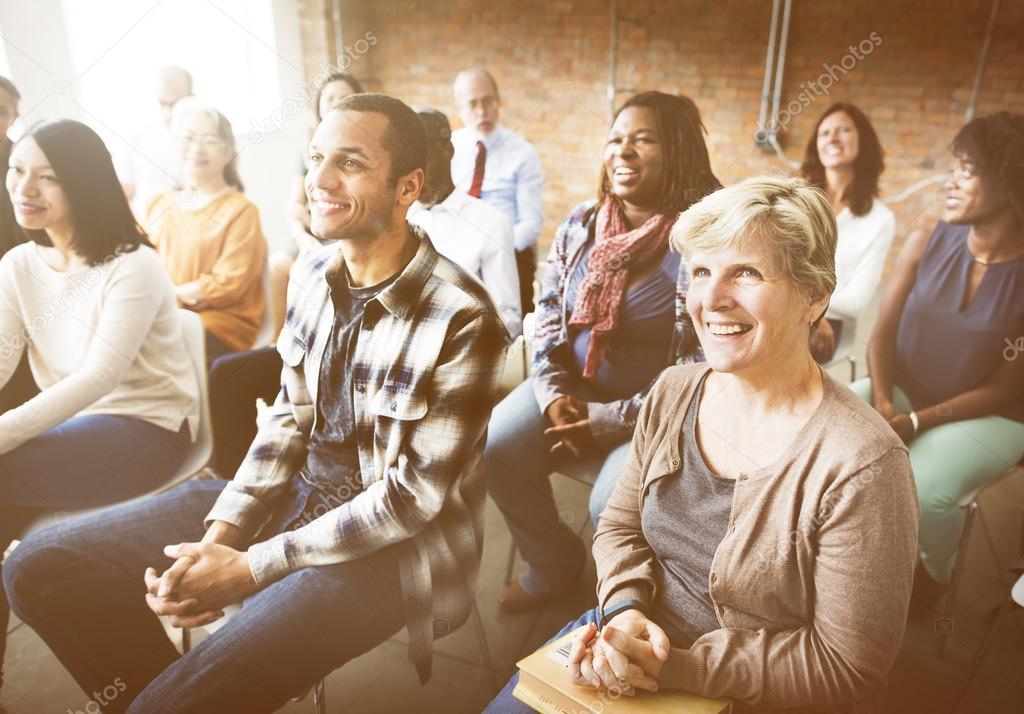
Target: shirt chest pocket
(402,405)
(395,413)
(293,379)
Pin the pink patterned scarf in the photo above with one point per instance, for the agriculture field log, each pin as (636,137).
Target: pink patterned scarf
(617,252)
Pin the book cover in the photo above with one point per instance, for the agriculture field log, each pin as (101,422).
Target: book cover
(545,686)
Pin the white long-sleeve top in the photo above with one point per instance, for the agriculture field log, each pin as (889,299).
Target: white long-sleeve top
(105,339)
(863,245)
(478,238)
(513,178)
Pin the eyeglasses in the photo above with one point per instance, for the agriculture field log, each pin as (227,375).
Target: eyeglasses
(207,141)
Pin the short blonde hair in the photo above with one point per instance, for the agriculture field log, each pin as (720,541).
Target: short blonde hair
(793,213)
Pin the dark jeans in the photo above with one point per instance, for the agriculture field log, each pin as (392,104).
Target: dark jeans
(79,586)
(526,266)
(86,462)
(214,348)
(518,465)
(236,381)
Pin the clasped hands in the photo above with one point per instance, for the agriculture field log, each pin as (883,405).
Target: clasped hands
(900,422)
(204,578)
(626,655)
(570,427)
(191,297)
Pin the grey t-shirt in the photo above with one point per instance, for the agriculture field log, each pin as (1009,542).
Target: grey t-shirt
(685,517)
(332,457)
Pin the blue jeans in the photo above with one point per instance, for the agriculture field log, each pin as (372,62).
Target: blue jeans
(518,464)
(505,703)
(86,462)
(79,586)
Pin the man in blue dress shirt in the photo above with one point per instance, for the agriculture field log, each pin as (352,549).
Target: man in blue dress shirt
(500,167)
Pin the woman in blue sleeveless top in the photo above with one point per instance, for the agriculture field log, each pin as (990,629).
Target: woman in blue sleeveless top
(947,353)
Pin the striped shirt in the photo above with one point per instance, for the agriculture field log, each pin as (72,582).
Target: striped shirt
(425,374)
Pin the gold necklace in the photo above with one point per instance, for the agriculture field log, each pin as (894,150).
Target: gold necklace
(990,261)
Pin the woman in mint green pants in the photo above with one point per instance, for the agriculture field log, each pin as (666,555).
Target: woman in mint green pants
(949,461)
(946,371)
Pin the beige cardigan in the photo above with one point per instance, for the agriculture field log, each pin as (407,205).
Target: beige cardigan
(812,581)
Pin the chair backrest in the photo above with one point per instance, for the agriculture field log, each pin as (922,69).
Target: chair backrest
(853,342)
(865,326)
(195,343)
(265,336)
(200,451)
(515,367)
(1017,591)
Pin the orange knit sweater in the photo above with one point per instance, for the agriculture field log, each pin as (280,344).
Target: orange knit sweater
(221,246)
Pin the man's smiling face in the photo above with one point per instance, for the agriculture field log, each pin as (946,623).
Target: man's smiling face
(349,185)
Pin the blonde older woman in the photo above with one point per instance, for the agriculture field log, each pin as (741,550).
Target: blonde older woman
(761,539)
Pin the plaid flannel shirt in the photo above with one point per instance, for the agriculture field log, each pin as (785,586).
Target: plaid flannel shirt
(425,375)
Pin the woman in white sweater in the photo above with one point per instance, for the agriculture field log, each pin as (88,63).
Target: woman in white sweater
(844,158)
(90,301)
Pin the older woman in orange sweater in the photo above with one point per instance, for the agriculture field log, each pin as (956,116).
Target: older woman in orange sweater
(760,541)
(208,233)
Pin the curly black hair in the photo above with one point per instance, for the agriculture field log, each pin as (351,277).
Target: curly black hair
(994,145)
(688,176)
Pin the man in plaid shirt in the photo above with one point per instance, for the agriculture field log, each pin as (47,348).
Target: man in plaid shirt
(359,507)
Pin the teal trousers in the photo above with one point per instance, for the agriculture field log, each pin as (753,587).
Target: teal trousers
(949,462)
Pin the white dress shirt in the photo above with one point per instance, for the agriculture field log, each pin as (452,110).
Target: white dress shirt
(862,247)
(513,179)
(478,238)
(150,163)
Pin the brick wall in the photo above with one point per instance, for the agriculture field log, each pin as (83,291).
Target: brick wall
(551,62)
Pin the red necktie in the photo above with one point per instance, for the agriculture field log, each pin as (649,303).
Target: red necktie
(478,170)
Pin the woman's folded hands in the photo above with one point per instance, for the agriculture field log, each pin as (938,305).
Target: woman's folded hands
(626,655)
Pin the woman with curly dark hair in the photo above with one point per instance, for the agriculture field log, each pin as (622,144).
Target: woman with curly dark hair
(946,368)
(844,158)
(609,320)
